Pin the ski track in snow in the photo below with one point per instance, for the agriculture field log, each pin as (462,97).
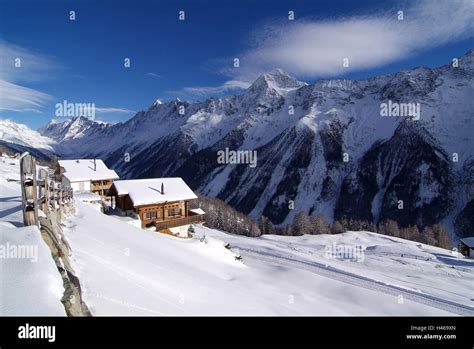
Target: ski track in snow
(358,280)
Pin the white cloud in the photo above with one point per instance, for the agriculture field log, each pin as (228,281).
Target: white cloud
(112,111)
(153,75)
(33,65)
(200,91)
(21,99)
(312,48)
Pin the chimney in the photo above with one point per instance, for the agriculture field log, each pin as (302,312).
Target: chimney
(162,189)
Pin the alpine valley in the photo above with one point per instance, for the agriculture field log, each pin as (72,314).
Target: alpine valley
(324,146)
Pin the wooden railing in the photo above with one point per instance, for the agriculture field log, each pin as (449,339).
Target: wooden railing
(176,222)
(40,192)
(100,186)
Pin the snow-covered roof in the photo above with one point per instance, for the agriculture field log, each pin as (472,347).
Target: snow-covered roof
(84,170)
(199,211)
(148,191)
(468,241)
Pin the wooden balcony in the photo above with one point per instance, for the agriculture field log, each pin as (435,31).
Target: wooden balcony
(176,222)
(95,187)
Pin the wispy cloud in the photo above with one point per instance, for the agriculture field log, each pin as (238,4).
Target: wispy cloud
(201,91)
(153,75)
(18,66)
(316,48)
(21,99)
(113,111)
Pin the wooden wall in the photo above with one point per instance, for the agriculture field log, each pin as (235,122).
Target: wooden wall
(162,212)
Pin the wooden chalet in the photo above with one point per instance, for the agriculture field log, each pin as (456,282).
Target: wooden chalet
(466,247)
(86,175)
(159,202)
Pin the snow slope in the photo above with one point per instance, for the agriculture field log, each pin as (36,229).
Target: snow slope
(37,270)
(10,191)
(11,132)
(128,271)
(31,285)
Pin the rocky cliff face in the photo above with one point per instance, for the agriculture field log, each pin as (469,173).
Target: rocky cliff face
(323,147)
(52,234)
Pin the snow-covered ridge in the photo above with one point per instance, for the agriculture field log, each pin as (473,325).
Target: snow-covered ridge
(62,130)
(21,134)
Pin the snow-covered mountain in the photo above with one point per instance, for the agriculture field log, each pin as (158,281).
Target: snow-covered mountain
(323,146)
(19,138)
(66,129)
(21,134)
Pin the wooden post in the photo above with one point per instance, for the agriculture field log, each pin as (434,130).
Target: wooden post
(60,192)
(43,189)
(56,195)
(51,195)
(28,189)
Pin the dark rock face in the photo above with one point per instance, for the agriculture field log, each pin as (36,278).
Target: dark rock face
(464,222)
(407,179)
(277,209)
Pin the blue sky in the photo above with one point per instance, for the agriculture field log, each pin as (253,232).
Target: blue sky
(81,61)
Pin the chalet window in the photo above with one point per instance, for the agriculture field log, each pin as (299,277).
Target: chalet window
(174,211)
(150,215)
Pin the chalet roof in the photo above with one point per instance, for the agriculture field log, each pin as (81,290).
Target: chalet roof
(84,170)
(469,242)
(198,210)
(148,191)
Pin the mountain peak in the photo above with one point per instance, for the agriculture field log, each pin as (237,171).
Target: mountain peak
(277,79)
(156,103)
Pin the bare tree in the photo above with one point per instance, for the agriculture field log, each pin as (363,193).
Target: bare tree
(414,233)
(428,236)
(221,216)
(266,226)
(337,228)
(301,224)
(442,236)
(318,224)
(389,227)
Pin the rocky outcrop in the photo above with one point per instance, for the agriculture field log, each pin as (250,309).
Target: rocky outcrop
(51,231)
